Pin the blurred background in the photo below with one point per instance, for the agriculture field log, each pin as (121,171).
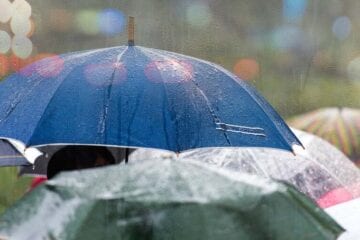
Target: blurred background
(300,54)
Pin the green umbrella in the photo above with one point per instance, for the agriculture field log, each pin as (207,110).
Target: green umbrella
(165,200)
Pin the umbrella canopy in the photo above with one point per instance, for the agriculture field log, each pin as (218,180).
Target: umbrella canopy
(320,171)
(39,168)
(165,200)
(339,126)
(136,96)
(13,154)
(10,156)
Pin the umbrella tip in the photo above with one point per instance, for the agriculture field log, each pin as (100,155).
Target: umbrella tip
(131,31)
(297,149)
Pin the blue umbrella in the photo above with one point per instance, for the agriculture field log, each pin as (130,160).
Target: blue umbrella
(10,156)
(13,153)
(136,97)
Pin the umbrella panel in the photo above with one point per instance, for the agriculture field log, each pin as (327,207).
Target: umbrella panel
(165,200)
(10,156)
(122,95)
(317,171)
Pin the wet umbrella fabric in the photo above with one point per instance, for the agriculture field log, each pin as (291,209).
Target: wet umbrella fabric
(165,200)
(339,126)
(13,153)
(10,156)
(136,96)
(322,172)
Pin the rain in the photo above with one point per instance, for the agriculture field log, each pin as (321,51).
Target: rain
(151,119)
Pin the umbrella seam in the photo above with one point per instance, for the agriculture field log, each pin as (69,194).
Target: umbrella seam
(58,87)
(144,50)
(216,119)
(102,123)
(254,96)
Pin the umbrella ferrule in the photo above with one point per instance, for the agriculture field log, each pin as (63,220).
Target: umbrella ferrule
(131,31)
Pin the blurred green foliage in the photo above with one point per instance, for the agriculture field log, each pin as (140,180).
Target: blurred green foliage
(11,186)
(295,97)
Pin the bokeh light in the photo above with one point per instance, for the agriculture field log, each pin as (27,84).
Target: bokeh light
(294,10)
(322,60)
(341,27)
(169,71)
(60,20)
(26,66)
(87,21)
(5,42)
(4,65)
(6,10)
(111,21)
(247,69)
(50,66)
(198,14)
(16,63)
(21,46)
(18,12)
(20,25)
(22,8)
(353,69)
(286,37)
(32,29)
(101,74)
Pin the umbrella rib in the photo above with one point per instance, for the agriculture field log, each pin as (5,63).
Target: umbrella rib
(220,125)
(224,126)
(257,166)
(19,97)
(256,98)
(132,116)
(323,167)
(166,132)
(216,119)
(57,88)
(229,127)
(102,122)
(167,96)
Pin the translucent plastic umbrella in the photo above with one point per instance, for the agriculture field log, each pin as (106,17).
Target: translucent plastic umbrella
(339,126)
(320,171)
(164,199)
